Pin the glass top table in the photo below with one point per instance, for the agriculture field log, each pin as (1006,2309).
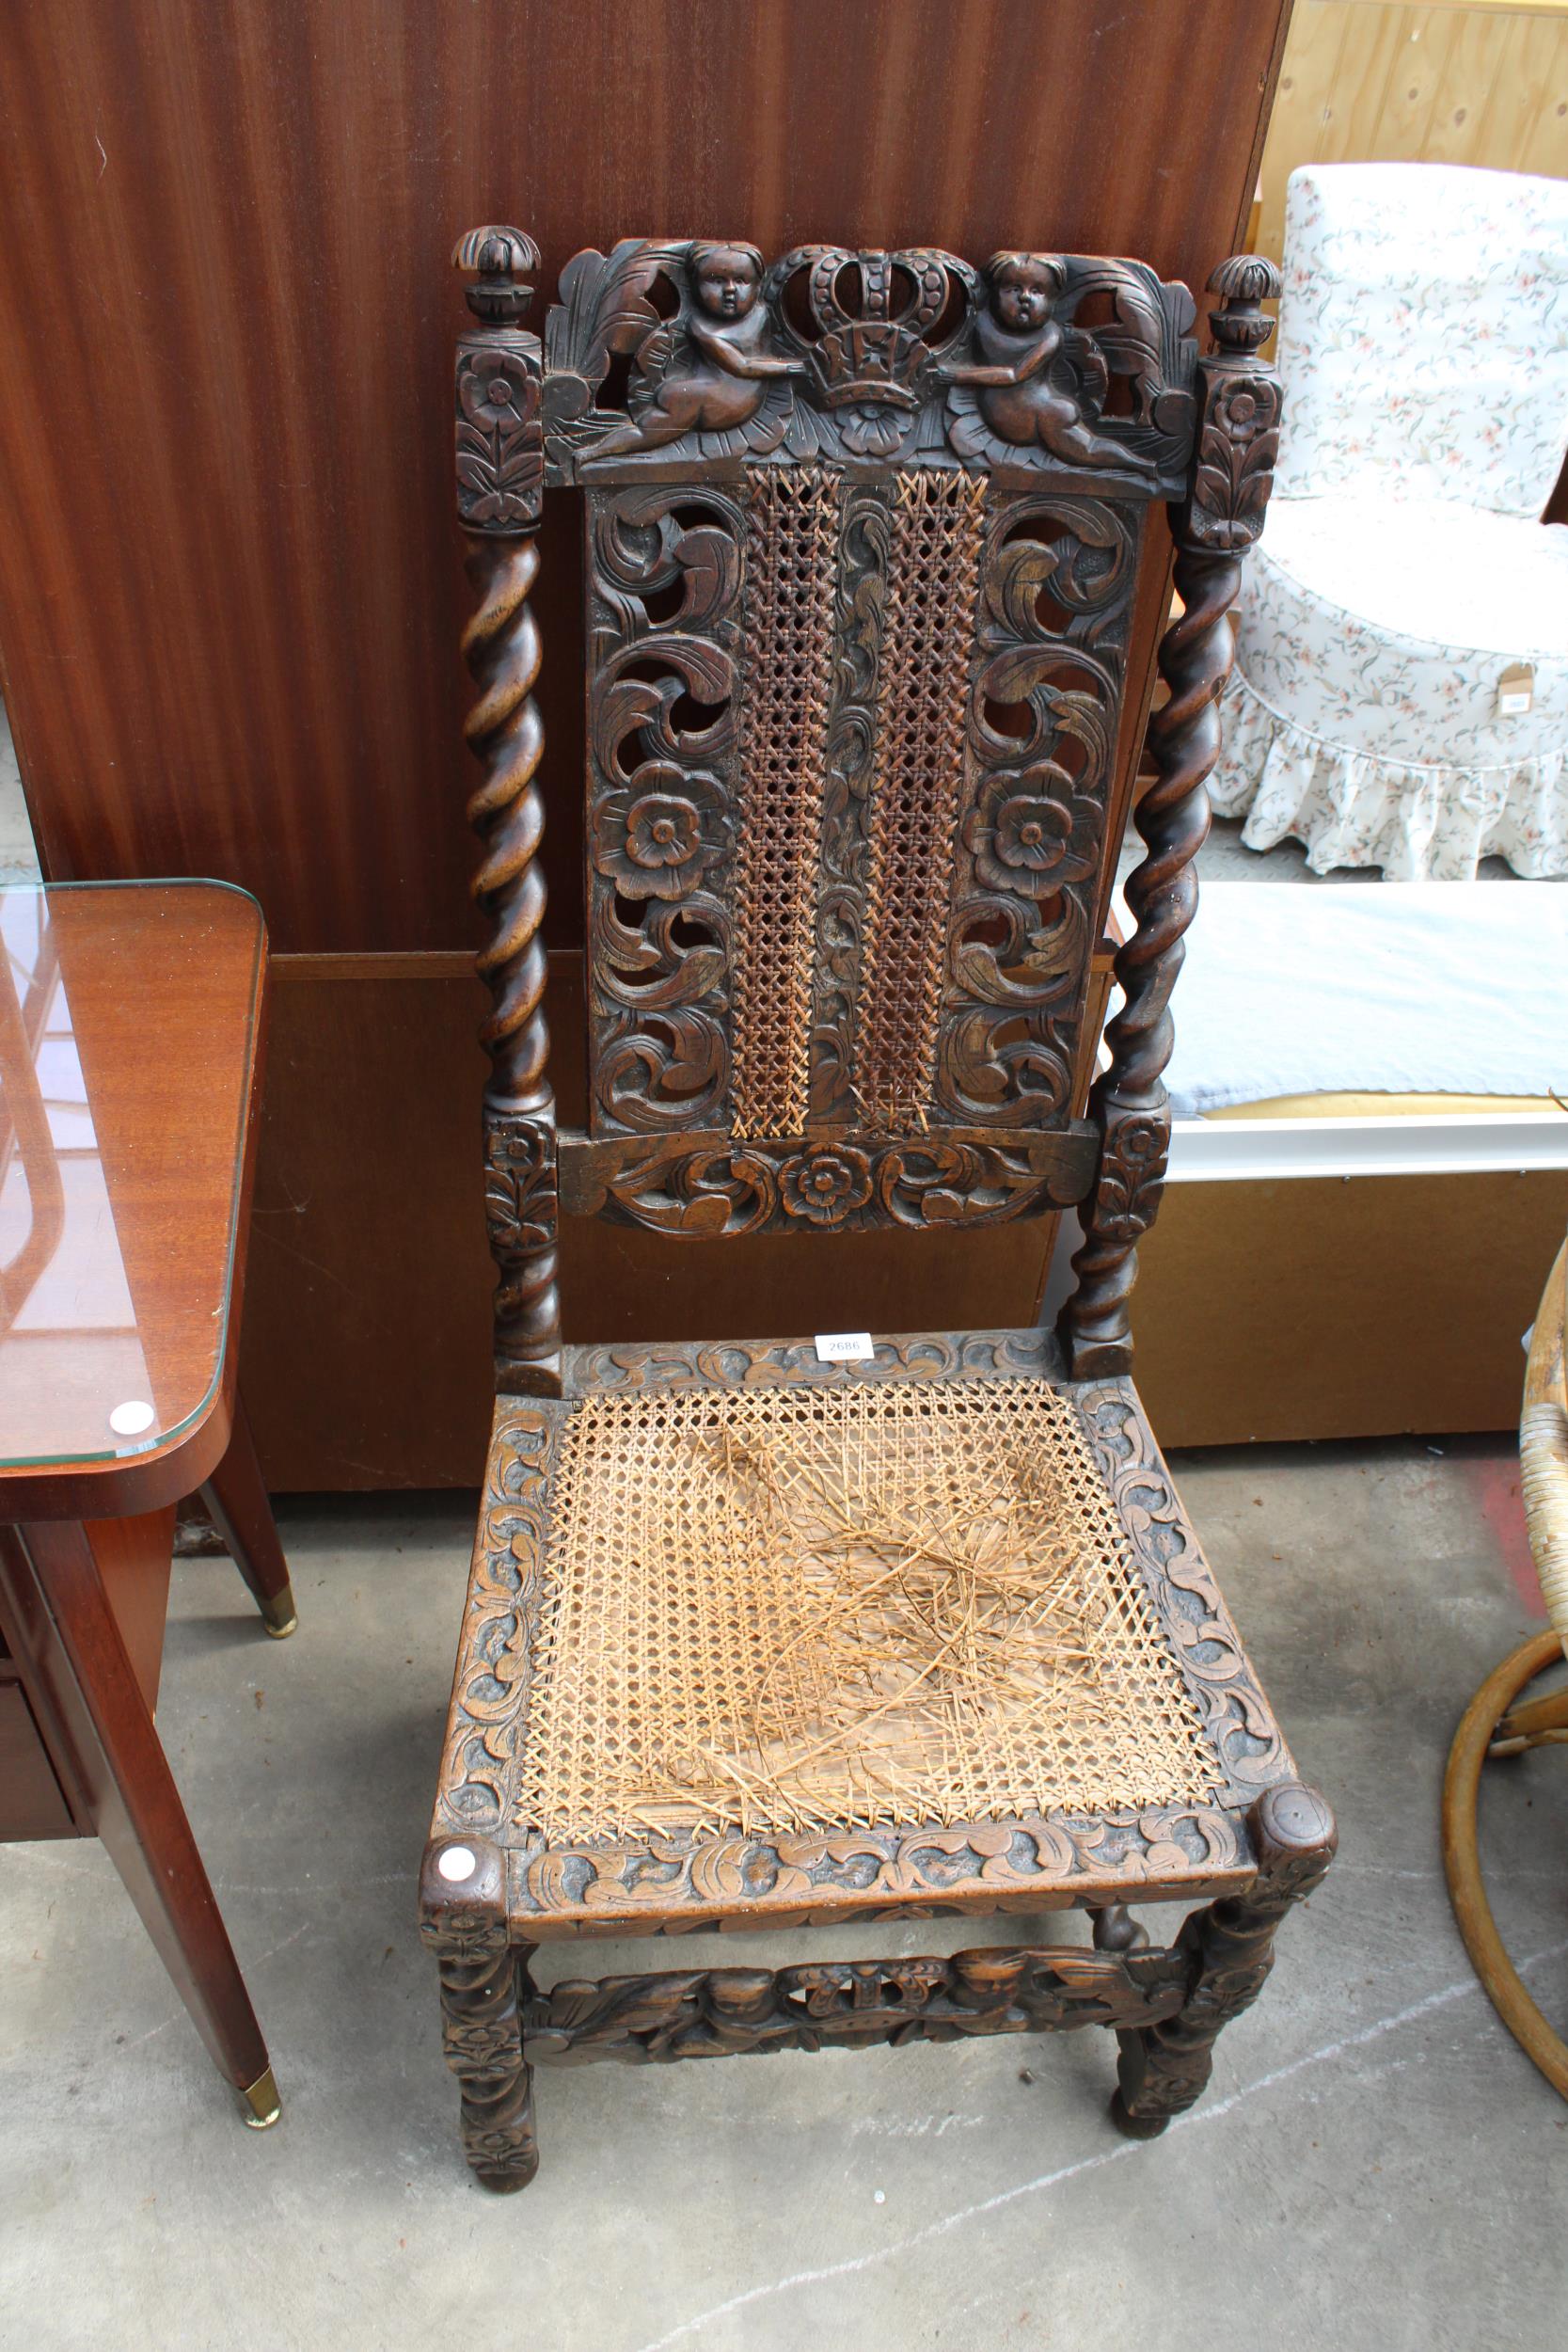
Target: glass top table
(128,1017)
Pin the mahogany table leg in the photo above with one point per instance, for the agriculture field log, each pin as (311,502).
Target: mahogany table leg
(242,1514)
(81,1670)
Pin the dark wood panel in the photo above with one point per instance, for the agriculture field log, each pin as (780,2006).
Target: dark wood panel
(365,1352)
(229,608)
(32,1803)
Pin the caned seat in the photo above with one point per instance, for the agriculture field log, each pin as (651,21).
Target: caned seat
(731,1606)
(756,1637)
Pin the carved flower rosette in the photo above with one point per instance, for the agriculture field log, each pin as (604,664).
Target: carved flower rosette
(656,836)
(500,446)
(822,1186)
(1029,834)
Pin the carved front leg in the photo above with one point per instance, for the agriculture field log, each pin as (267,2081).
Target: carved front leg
(1229,1948)
(500,475)
(484,1982)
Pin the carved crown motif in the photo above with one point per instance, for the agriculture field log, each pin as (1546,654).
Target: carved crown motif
(873,312)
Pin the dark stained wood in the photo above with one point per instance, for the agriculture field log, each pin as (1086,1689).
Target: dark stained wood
(134,1558)
(227,617)
(895,553)
(846,844)
(1225,1954)
(223,327)
(1222,516)
(32,1803)
(78,1671)
(365,1355)
(720,2013)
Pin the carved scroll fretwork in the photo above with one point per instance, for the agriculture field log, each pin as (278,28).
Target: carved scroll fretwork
(710,1185)
(662,802)
(1049,669)
(1239,402)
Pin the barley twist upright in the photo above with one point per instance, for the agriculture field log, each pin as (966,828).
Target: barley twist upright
(1237,442)
(500,472)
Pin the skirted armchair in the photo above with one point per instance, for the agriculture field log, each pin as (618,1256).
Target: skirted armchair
(1400,697)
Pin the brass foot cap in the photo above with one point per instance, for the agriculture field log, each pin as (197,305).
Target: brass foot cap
(262,2104)
(281,1617)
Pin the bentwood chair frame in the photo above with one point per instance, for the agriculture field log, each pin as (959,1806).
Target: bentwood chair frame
(862,536)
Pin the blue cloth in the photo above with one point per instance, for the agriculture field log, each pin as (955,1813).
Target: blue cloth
(1388,988)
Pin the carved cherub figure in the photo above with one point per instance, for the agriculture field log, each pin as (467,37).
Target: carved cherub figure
(1024,386)
(717,376)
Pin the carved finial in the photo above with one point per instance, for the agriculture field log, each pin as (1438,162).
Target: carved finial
(502,257)
(1243,282)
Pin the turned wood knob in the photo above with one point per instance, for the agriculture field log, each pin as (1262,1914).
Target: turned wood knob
(504,261)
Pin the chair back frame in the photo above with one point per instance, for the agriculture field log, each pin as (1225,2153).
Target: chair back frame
(862,534)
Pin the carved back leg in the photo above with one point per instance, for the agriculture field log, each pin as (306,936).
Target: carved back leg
(1223,514)
(500,478)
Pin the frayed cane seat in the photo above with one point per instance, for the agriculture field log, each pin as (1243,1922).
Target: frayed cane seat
(754,1637)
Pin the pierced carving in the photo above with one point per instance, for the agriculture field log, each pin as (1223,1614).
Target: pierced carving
(1046,689)
(1039,384)
(662,804)
(710,374)
(869,359)
(716,2012)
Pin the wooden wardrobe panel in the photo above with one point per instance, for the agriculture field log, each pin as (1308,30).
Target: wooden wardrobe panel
(229,610)
(232,595)
(366,1353)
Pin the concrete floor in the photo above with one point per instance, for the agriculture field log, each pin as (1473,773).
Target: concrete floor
(1375,2164)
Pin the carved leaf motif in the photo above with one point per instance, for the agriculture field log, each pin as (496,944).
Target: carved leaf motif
(603,307)
(500,446)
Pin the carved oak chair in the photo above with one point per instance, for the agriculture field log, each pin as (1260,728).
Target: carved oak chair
(755,1639)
